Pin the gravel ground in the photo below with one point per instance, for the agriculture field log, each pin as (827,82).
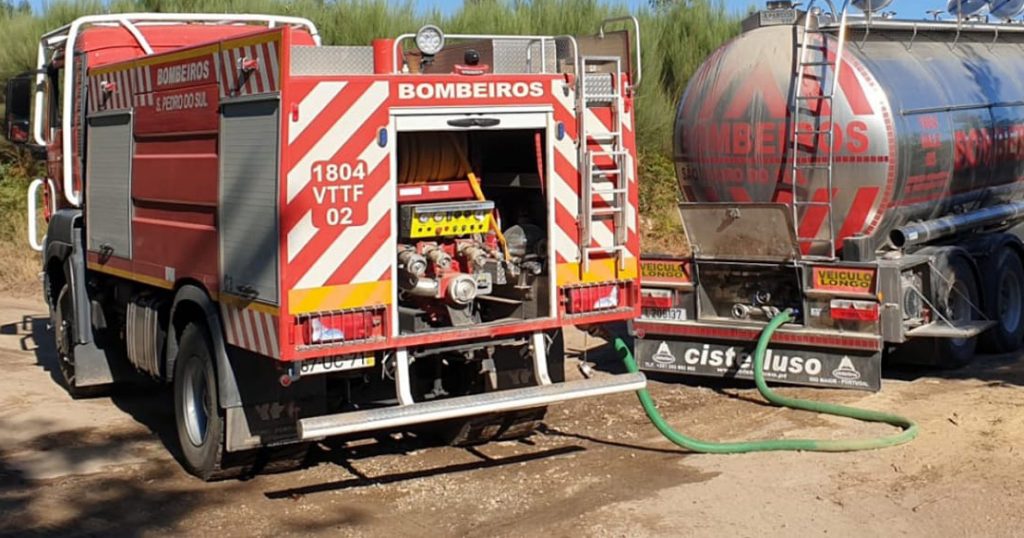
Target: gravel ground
(596,468)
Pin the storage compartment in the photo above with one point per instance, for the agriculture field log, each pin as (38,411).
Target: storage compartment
(747,291)
(472,228)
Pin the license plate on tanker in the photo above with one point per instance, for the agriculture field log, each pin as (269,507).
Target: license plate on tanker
(664,314)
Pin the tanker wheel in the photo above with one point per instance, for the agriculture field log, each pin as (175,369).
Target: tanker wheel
(958,298)
(64,338)
(1005,302)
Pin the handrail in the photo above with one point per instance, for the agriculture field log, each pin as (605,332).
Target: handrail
(397,47)
(68,35)
(636,32)
(32,201)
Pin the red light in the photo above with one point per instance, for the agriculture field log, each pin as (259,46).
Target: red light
(843,309)
(656,298)
(591,298)
(340,327)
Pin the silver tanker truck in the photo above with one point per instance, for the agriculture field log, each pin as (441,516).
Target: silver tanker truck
(865,172)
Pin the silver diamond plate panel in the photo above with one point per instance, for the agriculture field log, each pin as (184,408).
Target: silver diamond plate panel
(519,56)
(332,60)
(598,83)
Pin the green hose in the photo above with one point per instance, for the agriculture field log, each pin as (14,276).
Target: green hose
(908,426)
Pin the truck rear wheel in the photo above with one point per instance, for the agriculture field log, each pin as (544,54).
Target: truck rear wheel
(64,340)
(1004,293)
(958,298)
(201,423)
(198,417)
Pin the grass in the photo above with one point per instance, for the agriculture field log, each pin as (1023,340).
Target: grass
(676,36)
(18,264)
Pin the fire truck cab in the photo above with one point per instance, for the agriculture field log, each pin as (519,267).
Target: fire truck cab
(311,241)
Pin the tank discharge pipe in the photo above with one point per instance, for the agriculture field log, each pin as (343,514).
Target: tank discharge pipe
(908,426)
(930,230)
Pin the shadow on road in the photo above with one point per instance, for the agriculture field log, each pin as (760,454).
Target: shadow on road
(363,480)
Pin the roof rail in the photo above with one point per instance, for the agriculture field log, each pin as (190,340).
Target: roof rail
(66,36)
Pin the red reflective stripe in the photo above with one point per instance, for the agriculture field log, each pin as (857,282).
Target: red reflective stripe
(859,209)
(654,330)
(853,91)
(739,194)
(814,215)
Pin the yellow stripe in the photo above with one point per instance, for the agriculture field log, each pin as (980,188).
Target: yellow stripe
(159,59)
(242,302)
(113,271)
(602,270)
(342,297)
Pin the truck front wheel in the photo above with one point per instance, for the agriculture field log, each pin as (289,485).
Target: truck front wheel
(199,419)
(64,340)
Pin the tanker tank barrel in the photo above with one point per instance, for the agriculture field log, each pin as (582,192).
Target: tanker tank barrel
(926,231)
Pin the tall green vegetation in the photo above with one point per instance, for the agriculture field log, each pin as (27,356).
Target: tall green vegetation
(676,36)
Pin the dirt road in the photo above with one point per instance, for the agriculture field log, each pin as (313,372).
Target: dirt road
(106,467)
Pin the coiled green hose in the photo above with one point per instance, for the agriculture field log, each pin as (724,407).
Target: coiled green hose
(908,426)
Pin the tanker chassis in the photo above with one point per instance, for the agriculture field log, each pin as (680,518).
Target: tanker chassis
(866,174)
(314,241)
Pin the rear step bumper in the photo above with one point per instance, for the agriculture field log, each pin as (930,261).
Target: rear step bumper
(465,406)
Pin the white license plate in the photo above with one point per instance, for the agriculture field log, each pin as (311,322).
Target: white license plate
(327,365)
(664,314)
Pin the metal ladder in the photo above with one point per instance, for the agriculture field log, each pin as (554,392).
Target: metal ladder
(804,105)
(588,160)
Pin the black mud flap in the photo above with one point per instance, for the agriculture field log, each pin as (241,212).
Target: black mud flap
(797,366)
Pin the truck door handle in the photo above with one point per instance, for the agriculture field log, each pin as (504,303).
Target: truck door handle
(474,122)
(247,290)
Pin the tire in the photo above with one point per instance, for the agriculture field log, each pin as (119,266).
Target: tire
(201,424)
(1004,302)
(957,292)
(64,338)
(198,416)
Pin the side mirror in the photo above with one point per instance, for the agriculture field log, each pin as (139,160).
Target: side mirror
(17,116)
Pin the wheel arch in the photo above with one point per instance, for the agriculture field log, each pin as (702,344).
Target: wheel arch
(192,304)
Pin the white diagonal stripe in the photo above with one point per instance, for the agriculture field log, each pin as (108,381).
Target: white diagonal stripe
(257,320)
(343,129)
(304,230)
(272,334)
(250,340)
(263,68)
(274,74)
(252,80)
(565,246)
(226,323)
(376,265)
(596,126)
(567,101)
(564,196)
(300,235)
(342,246)
(219,68)
(567,150)
(236,320)
(236,69)
(312,105)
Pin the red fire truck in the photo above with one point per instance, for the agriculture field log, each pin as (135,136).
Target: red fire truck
(311,241)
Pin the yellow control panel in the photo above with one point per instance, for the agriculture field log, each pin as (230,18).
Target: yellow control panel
(449,219)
